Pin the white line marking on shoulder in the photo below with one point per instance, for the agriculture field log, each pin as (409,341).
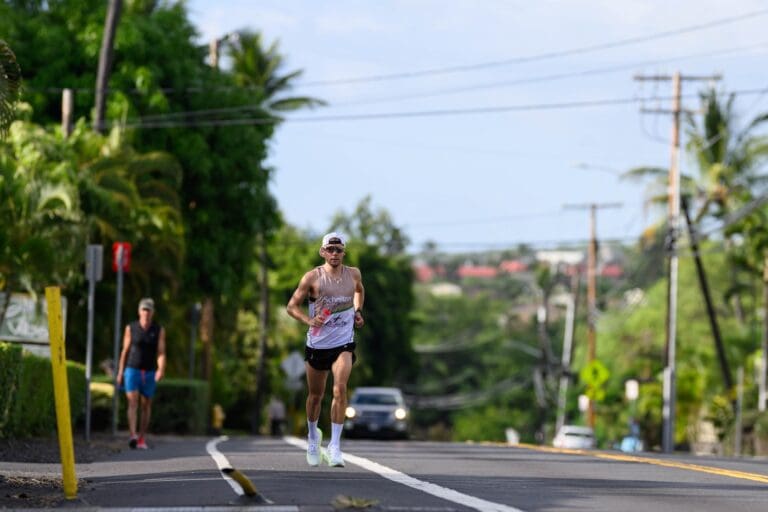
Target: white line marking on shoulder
(429,488)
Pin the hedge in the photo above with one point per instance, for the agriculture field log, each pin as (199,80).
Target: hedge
(10,363)
(180,406)
(27,406)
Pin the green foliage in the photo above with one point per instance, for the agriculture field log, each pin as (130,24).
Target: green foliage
(486,423)
(386,355)
(632,338)
(465,355)
(10,83)
(57,195)
(32,405)
(39,205)
(10,366)
(182,406)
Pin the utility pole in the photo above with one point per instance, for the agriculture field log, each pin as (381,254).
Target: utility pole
(673,216)
(565,366)
(763,396)
(105,62)
(213,53)
(592,287)
(67,106)
(214,47)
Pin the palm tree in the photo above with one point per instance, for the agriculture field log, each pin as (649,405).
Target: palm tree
(728,160)
(126,195)
(728,164)
(259,68)
(10,83)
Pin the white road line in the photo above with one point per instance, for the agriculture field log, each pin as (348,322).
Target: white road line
(222,462)
(429,488)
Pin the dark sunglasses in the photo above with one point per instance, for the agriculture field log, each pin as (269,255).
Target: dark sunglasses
(334,250)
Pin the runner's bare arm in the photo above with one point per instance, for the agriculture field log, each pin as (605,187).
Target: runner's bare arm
(294,306)
(359,298)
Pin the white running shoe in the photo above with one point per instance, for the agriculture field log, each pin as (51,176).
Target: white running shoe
(314,449)
(335,458)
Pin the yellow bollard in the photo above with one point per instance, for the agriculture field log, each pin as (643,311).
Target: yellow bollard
(217,418)
(61,391)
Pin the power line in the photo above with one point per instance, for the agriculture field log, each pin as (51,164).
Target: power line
(157,122)
(542,78)
(492,85)
(541,56)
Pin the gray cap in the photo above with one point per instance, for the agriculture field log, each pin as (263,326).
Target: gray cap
(147,303)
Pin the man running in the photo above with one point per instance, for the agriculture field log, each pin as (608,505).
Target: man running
(336,297)
(142,365)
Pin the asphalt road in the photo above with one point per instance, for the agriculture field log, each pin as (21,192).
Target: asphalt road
(413,476)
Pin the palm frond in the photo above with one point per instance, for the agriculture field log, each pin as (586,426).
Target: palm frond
(640,173)
(10,84)
(288,104)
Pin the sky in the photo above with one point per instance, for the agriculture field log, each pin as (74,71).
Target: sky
(465,119)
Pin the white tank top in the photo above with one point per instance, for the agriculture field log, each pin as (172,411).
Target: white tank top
(337,296)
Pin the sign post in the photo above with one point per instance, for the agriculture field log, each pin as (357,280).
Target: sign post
(121,261)
(93,272)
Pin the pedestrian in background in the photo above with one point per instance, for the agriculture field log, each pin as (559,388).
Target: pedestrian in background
(276,412)
(142,366)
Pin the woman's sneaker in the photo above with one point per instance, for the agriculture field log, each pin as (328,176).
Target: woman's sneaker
(141,444)
(335,458)
(314,449)
(133,442)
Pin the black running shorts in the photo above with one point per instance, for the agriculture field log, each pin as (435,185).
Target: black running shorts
(323,358)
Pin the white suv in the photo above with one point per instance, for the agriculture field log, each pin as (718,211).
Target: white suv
(377,411)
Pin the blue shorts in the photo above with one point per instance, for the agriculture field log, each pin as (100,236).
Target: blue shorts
(142,381)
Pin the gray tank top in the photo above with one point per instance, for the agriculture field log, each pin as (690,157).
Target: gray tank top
(337,296)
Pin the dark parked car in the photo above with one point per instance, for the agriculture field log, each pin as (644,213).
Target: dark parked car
(377,411)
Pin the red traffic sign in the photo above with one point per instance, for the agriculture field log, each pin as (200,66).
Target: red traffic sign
(126,256)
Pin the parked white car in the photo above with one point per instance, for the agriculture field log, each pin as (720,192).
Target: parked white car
(574,436)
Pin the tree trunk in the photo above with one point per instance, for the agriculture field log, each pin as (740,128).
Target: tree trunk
(260,370)
(206,336)
(738,309)
(105,62)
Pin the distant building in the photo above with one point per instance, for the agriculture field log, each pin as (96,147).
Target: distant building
(513,266)
(480,271)
(445,289)
(561,258)
(612,270)
(423,272)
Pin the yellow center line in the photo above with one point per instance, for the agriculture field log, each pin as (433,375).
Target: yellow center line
(756,477)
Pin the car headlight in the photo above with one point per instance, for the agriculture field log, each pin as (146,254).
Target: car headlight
(400,413)
(350,412)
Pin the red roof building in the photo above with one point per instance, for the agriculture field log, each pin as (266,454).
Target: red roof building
(612,270)
(480,271)
(513,266)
